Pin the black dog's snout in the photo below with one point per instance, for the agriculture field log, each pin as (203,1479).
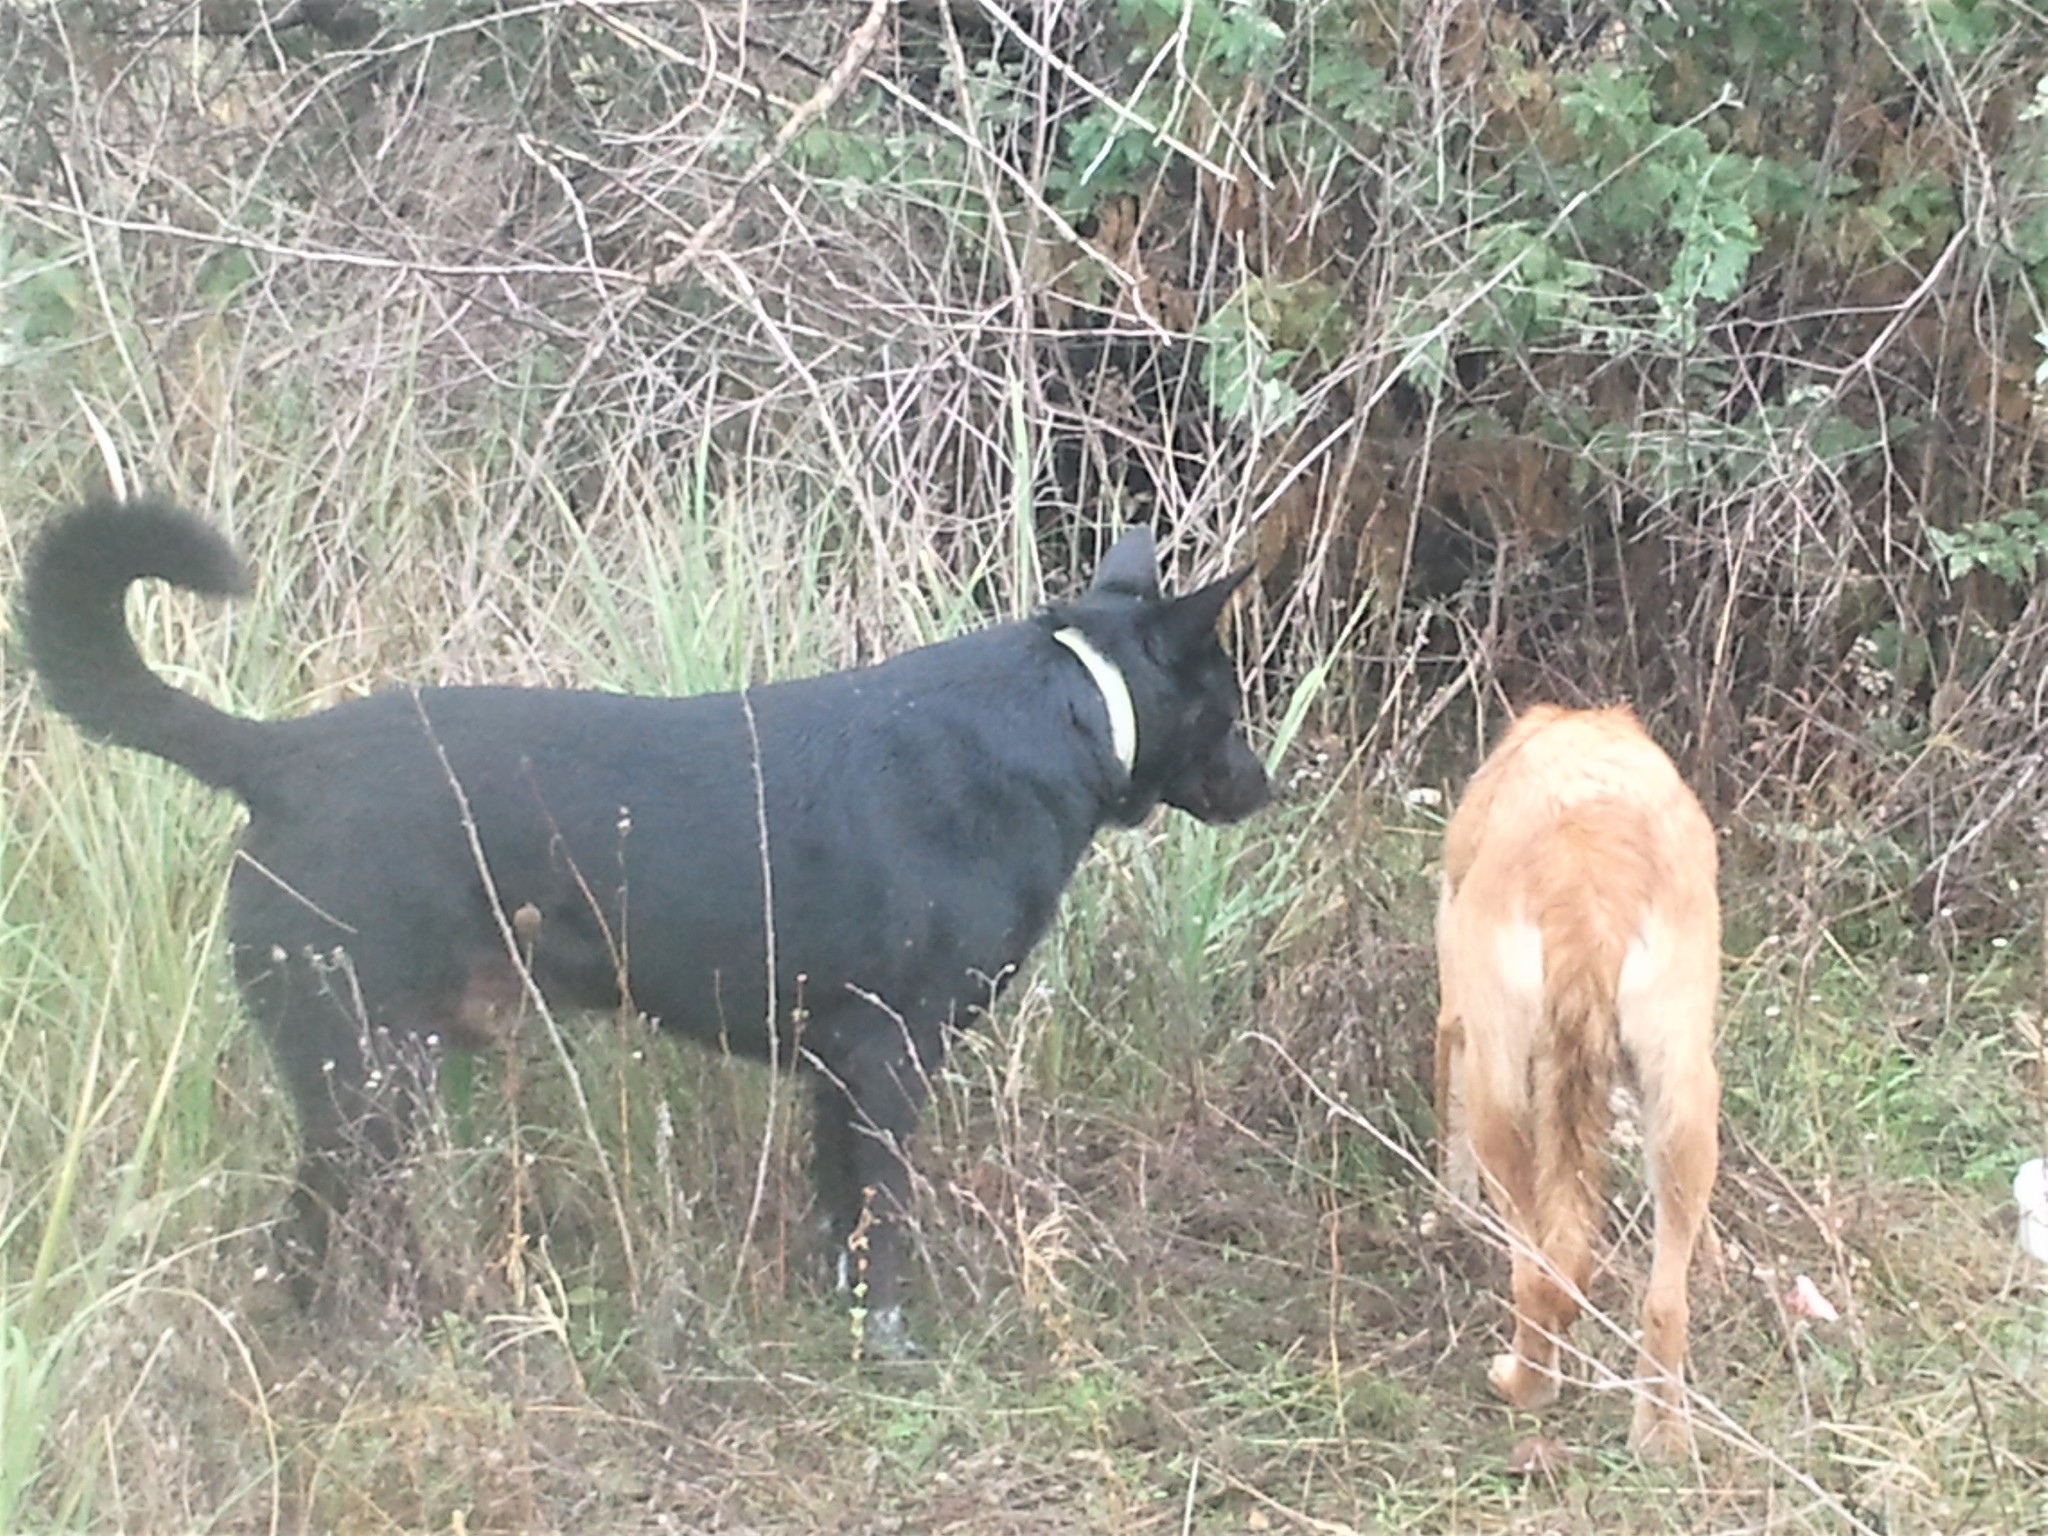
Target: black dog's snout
(1229,788)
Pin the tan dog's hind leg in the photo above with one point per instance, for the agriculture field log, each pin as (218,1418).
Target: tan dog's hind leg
(1683,1145)
(1457,1165)
(1527,1375)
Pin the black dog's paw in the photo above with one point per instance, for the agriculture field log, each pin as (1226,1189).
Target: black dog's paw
(885,1339)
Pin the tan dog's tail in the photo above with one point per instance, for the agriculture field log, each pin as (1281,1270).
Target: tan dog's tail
(1571,1071)
(1588,915)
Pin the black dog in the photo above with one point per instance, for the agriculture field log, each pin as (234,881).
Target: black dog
(827,873)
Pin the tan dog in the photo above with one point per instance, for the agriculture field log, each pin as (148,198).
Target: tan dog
(1579,930)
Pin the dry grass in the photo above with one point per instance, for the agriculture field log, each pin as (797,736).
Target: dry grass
(1172,1285)
(1172,1215)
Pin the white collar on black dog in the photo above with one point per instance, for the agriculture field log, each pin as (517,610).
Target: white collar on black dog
(1116,695)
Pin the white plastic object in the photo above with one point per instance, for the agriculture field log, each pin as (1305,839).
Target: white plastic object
(2030,1193)
(1807,1301)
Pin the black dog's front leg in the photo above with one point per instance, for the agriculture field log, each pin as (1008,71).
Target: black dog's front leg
(835,1182)
(868,1102)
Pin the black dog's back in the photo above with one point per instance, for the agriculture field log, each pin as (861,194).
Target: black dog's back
(830,871)
(915,829)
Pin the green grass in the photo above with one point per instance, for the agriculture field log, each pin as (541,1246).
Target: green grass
(1164,1293)
(1167,1288)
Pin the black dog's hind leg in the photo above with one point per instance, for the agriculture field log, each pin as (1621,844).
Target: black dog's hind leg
(357,1092)
(869,1098)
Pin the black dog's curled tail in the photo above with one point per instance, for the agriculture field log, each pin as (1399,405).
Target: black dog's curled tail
(71,617)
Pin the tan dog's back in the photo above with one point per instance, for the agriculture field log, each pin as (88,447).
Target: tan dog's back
(1579,929)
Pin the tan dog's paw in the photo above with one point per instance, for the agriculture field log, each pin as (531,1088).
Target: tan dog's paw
(1660,1434)
(1520,1383)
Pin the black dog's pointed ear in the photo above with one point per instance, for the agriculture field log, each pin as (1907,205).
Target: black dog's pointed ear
(1190,617)
(1130,569)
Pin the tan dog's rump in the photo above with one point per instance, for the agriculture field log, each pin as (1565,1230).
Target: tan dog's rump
(1578,931)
